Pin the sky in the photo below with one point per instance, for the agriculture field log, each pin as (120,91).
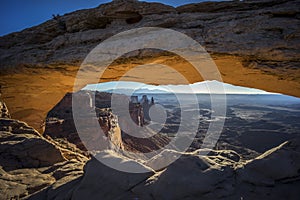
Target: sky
(16,15)
(204,87)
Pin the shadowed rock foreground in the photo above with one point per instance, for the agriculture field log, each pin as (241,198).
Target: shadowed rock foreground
(40,168)
(252,42)
(30,162)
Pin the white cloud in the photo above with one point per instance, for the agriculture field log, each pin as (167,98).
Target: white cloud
(204,87)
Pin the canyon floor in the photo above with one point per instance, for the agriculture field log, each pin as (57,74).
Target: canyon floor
(257,156)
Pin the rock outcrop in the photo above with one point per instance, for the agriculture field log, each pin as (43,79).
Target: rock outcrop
(3,110)
(30,162)
(192,177)
(35,167)
(252,42)
(21,147)
(264,35)
(223,27)
(60,124)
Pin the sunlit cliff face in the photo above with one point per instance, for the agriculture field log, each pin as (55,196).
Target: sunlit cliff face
(32,92)
(172,69)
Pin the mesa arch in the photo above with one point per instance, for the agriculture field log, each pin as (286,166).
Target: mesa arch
(31,92)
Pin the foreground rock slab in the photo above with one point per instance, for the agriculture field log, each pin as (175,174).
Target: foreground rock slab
(30,162)
(273,175)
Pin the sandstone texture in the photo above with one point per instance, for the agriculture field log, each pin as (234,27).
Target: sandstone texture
(253,43)
(37,167)
(60,124)
(266,31)
(4,111)
(30,162)
(190,177)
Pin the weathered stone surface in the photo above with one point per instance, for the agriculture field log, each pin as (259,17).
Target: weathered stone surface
(3,110)
(270,176)
(21,147)
(36,167)
(263,35)
(29,162)
(263,32)
(123,182)
(22,182)
(252,42)
(66,31)
(281,163)
(60,124)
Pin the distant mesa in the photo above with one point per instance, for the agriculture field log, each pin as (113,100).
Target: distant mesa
(204,87)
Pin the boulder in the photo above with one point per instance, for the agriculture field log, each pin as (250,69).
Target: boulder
(3,110)
(22,147)
(99,178)
(273,175)
(29,163)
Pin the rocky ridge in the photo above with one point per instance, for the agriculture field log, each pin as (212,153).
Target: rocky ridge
(252,42)
(265,34)
(30,162)
(247,28)
(193,176)
(60,123)
(35,167)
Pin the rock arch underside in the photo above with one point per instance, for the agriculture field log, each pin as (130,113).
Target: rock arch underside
(253,43)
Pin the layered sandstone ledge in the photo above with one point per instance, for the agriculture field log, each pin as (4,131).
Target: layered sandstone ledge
(32,92)
(254,44)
